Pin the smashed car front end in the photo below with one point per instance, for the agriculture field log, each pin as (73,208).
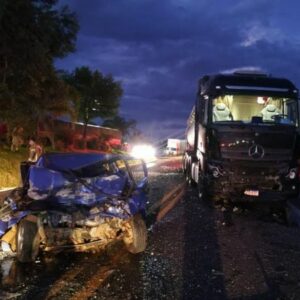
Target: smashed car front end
(77,202)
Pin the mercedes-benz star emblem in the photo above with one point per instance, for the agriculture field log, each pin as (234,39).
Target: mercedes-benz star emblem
(256,151)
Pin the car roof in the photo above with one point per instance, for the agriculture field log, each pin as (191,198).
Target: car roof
(72,161)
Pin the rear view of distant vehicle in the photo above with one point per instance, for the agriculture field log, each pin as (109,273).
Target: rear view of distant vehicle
(242,138)
(76,202)
(175,147)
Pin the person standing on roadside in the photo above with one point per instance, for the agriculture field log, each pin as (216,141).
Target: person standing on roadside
(35,150)
(17,139)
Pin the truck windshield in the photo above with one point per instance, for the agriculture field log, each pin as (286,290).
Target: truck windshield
(248,108)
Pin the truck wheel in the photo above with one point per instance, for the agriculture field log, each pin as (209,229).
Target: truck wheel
(188,178)
(28,241)
(202,189)
(136,235)
(183,165)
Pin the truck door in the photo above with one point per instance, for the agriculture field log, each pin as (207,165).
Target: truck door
(202,122)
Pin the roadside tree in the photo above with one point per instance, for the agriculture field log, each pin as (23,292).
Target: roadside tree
(99,95)
(33,33)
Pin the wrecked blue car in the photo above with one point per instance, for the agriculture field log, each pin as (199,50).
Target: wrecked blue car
(77,202)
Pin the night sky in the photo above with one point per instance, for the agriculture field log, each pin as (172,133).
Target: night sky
(159,49)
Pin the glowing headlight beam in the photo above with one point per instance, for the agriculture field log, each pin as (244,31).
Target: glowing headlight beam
(143,152)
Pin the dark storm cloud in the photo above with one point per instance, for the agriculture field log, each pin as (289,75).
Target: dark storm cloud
(148,20)
(159,49)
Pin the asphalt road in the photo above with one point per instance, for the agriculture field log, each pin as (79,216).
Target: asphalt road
(190,255)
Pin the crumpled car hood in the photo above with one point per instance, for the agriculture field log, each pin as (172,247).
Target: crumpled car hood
(54,186)
(44,183)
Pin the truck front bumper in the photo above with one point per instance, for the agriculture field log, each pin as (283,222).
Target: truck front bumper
(263,183)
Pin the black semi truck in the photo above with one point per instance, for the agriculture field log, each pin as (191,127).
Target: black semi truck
(242,138)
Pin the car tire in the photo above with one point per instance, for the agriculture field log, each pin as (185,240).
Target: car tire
(28,241)
(138,235)
(202,190)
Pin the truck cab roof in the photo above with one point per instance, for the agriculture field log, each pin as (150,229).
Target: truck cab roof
(246,83)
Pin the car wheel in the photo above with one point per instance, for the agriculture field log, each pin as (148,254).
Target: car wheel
(136,235)
(28,241)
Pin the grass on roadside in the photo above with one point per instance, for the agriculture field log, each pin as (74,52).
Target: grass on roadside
(10,166)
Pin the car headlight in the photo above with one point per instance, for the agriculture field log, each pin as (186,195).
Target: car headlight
(143,151)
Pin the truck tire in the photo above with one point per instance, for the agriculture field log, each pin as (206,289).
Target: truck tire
(183,165)
(188,177)
(136,240)
(202,190)
(28,241)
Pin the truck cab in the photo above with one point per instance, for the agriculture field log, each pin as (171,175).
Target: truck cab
(242,138)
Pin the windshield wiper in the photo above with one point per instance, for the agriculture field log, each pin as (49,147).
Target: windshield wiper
(229,122)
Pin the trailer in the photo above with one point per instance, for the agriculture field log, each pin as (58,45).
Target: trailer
(62,135)
(175,146)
